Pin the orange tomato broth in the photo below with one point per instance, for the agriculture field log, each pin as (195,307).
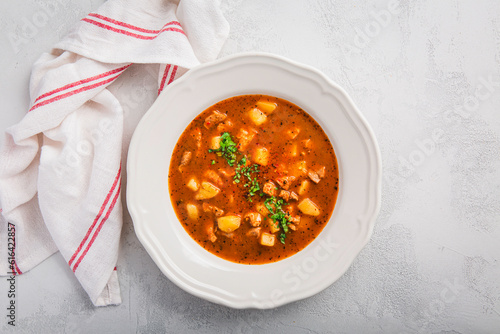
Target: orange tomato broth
(286,158)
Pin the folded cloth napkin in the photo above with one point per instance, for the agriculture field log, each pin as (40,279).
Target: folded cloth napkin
(60,168)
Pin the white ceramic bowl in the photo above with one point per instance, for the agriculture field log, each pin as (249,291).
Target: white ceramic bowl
(205,275)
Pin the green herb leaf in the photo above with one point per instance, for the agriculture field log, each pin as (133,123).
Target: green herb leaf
(227,149)
(278,215)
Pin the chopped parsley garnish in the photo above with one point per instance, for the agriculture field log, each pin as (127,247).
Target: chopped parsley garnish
(247,172)
(276,213)
(227,149)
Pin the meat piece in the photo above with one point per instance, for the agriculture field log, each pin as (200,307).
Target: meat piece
(282,169)
(314,176)
(185,159)
(224,126)
(217,212)
(211,235)
(212,175)
(270,189)
(196,135)
(285,195)
(292,227)
(245,137)
(307,143)
(295,220)
(293,133)
(214,119)
(207,207)
(254,232)
(213,209)
(285,181)
(317,175)
(290,210)
(229,235)
(321,172)
(294,196)
(254,218)
(227,172)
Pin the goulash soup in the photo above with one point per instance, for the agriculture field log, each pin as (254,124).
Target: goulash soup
(253,179)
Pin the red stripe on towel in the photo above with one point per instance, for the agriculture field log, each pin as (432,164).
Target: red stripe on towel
(76,91)
(80,82)
(126,25)
(172,76)
(163,79)
(131,34)
(98,229)
(103,206)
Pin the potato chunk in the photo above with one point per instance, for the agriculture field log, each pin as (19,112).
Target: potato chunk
(207,191)
(273,226)
(214,143)
(193,184)
(261,208)
(267,239)
(303,187)
(261,156)
(257,116)
(229,223)
(308,207)
(266,106)
(192,211)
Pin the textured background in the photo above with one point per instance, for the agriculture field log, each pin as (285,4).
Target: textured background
(420,76)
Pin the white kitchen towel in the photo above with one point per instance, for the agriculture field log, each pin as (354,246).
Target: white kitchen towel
(60,168)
